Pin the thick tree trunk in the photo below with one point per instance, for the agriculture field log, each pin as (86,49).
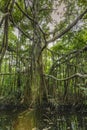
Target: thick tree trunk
(37,80)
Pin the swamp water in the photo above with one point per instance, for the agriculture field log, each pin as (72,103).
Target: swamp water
(37,120)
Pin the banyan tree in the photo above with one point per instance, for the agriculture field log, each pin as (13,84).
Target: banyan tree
(29,66)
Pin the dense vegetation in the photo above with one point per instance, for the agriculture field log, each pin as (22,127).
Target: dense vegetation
(43,58)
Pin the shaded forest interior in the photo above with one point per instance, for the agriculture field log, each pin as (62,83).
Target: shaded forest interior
(64,79)
(38,66)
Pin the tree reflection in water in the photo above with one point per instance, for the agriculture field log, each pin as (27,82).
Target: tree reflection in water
(35,120)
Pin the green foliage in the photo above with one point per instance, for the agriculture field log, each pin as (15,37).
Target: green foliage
(12,37)
(72,40)
(58,47)
(3,3)
(17,14)
(84,90)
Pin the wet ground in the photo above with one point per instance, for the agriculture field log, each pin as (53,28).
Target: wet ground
(42,120)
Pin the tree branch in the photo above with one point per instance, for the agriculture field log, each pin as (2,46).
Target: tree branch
(1,22)
(68,78)
(64,58)
(25,14)
(57,36)
(24,33)
(30,18)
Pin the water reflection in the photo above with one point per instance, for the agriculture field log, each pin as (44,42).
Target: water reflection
(25,121)
(5,122)
(36,120)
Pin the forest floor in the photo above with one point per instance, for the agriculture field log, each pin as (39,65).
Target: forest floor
(9,104)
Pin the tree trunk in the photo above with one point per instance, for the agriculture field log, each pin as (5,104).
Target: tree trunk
(37,80)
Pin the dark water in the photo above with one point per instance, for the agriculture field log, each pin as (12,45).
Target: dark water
(37,120)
